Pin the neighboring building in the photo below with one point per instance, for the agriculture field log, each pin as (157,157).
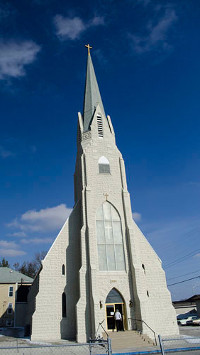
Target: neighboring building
(196,298)
(11,285)
(189,306)
(100,260)
(185,307)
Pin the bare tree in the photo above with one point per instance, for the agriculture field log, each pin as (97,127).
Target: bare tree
(30,268)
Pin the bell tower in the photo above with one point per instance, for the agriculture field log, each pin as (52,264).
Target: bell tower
(115,254)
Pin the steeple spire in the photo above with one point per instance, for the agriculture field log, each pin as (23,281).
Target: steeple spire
(92,95)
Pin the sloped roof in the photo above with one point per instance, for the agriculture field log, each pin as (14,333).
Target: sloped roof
(194,298)
(92,95)
(8,275)
(188,300)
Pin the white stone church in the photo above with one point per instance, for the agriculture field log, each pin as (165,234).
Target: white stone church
(100,260)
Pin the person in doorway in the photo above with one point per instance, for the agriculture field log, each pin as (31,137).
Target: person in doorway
(122,324)
(118,319)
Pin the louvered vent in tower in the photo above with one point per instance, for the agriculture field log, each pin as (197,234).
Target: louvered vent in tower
(100,126)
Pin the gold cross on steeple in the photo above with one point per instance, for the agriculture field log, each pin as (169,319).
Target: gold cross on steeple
(88,47)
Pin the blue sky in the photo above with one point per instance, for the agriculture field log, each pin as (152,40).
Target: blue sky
(146,56)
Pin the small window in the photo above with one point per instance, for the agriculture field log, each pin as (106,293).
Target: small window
(9,323)
(100,126)
(144,268)
(9,309)
(63,269)
(64,310)
(147,293)
(104,165)
(10,291)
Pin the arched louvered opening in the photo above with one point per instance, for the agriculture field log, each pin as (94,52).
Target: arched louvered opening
(109,238)
(100,125)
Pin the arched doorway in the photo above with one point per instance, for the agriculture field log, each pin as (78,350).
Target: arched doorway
(114,301)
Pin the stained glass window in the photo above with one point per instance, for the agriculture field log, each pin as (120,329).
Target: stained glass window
(109,238)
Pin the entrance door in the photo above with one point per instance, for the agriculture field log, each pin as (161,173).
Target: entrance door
(110,312)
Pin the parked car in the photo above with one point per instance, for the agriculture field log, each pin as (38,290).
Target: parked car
(185,320)
(195,321)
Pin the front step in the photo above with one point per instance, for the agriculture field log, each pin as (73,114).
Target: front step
(128,339)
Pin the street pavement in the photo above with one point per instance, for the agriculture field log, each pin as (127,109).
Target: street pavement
(189,330)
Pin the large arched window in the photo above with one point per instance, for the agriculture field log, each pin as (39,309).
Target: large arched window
(109,238)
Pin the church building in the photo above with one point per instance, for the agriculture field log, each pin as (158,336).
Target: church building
(100,260)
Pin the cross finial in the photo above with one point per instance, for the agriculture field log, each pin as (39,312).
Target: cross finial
(88,47)
(106,196)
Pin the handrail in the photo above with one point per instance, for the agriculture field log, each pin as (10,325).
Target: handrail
(142,321)
(100,325)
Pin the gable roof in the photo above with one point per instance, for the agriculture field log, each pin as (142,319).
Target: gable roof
(8,275)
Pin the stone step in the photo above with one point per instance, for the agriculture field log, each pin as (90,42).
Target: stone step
(128,339)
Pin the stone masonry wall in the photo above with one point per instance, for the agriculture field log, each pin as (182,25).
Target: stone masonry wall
(47,320)
(147,290)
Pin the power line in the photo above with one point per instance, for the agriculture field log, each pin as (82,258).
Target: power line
(180,282)
(182,258)
(177,261)
(189,273)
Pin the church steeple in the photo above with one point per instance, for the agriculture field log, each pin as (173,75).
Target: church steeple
(92,95)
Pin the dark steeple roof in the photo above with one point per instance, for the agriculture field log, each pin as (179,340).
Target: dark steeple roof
(92,95)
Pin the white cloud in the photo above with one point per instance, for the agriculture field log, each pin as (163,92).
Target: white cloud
(10,249)
(4,153)
(5,244)
(72,28)
(156,34)
(96,21)
(11,252)
(37,241)
(137,216)
(44,220)
(14,56)
(69,28)
(17,234)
